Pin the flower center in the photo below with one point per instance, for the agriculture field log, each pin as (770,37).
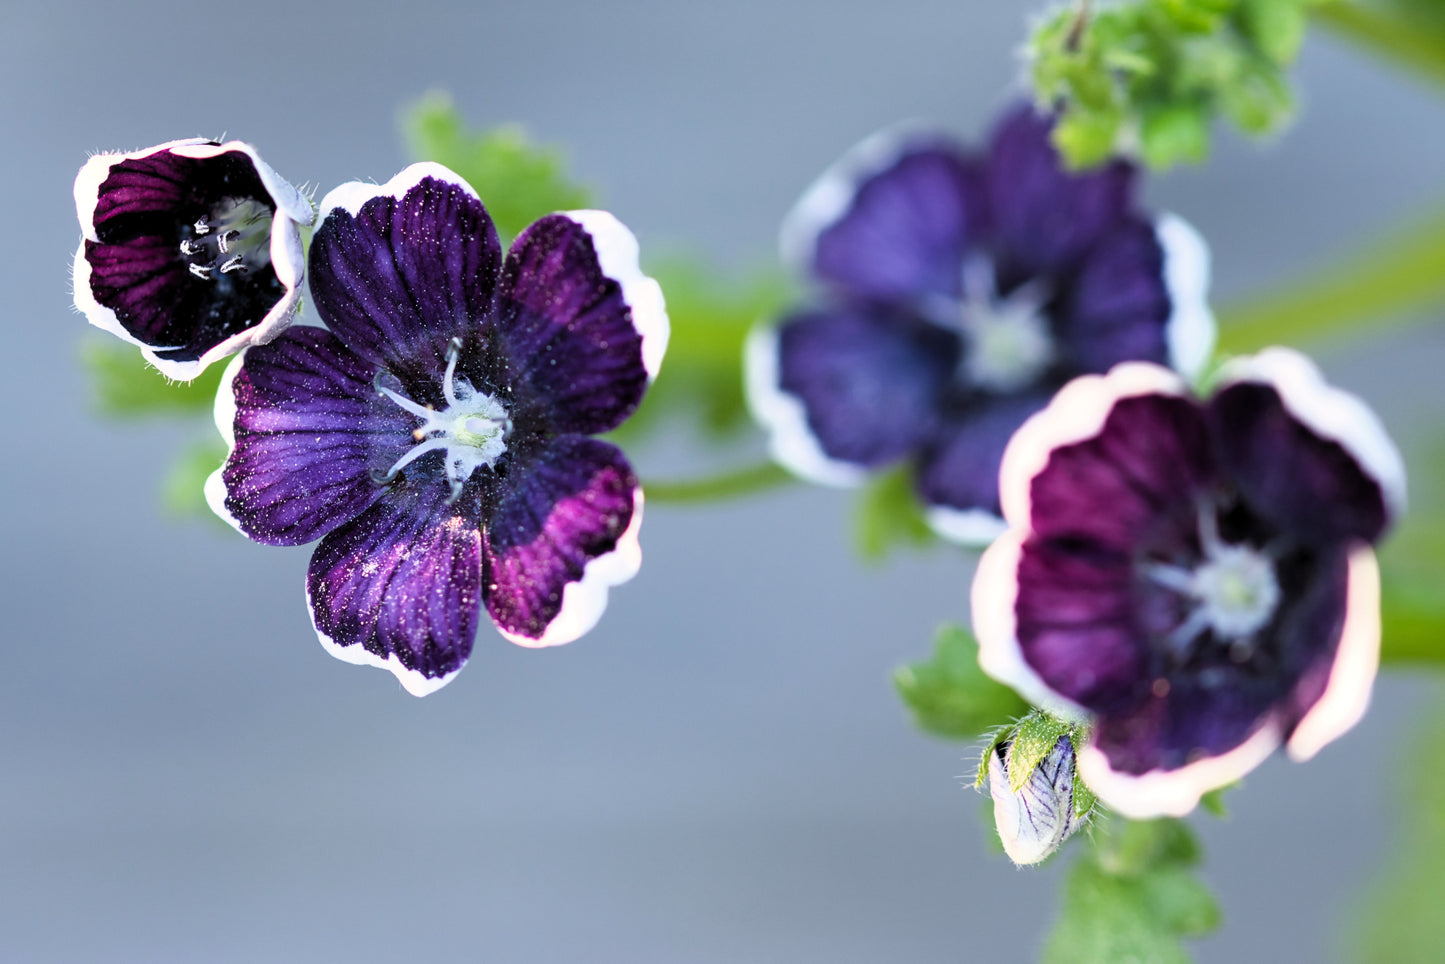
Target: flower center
(1008,341)
(1234,591)
(234,236)
(472,430)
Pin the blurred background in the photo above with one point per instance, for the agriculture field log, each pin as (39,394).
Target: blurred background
(721,770)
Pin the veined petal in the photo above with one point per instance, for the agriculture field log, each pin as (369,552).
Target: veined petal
(399,587)
(561,530)
(1117,306)
(1309,457)
(582,329)
(846,388)
(891,220)
(306,432)
(148,268)
(400,269)
(1045,216)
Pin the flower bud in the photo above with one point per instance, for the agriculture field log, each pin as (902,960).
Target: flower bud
(1034,820)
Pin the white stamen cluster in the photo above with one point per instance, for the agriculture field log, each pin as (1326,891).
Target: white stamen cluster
(234,236)
(1007,342)
(472,430)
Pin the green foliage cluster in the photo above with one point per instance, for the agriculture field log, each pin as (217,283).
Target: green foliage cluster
(1148,77)
(1135,895)
(950,696)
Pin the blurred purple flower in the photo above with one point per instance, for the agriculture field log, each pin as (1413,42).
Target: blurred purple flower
(436,438)
(1195,576)
(191,250)
(960,291)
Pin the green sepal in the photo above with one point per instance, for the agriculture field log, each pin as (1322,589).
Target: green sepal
(125,386)
(994,738)
(1213,801)
(1084,799)
(1033,740)
(949,695)
(517,180)
(888,516)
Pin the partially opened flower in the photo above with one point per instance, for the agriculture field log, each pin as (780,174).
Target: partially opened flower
(1034,812)
(191,250)
(436,438)
(960,291)
(1195,575)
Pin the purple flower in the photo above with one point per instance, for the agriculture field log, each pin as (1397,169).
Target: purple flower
(191,250)
(436,438)
(960,292)
(1196,576)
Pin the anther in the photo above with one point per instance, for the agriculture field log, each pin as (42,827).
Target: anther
(236,263)
(202,226)
(202,271)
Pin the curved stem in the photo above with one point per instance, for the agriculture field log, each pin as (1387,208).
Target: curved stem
(1397,39)
(729,485)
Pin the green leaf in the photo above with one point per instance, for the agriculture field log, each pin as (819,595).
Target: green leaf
(1087,138)
(1399,920)
(125,386)
(517,180)
(888,515)
(1174,134)
(1213,801)
(702,373)
(1133,896)
(183,490)
(1276,26)
(949,695)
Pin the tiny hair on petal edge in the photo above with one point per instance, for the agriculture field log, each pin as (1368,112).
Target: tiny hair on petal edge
(617,256)
(791,443)
(584,601)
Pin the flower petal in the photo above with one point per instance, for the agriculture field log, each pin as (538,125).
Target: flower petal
(959,469)
(1117,307)
(131,278)
(847,388)
(399,269)
(399,587)
(561,531)
(306,430)
(1310,458)
(1045,216)
(890,220)
(582,329)
(1034,821)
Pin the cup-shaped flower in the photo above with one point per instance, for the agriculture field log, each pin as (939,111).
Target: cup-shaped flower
(1195,575)
(437,437)
(1034,812)
(959,292)
(191,250)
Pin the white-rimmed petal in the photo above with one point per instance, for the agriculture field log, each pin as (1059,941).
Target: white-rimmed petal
(412,681)
(225,415)
(1190,331)
(967,527)
(617,255)
(1357,660)
(350,196)
(791,442)
(584,601)
(1331,413)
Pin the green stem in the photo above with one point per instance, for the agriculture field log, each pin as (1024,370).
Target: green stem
(1402,273)
(1411,44)
(729,485)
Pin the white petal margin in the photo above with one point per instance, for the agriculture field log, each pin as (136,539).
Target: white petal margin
(1357,660)
(225,414)
(583,601)
(1190,330)
(995,624)
(1173,793)
(358,655)
(350,196)
(968,527)
(790,441)
(617,251)
(830,197)
(1329,412)
(287,257)
(1077,412)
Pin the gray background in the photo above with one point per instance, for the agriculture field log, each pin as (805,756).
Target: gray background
(720,772)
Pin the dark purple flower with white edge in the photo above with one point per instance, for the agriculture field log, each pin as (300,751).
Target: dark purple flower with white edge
(437,437)
(1195,576)
(191,250)
(960,291)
